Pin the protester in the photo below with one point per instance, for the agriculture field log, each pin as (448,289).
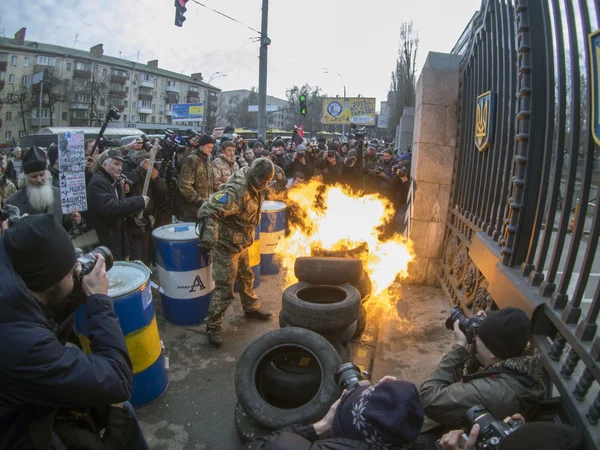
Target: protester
(224,165)
(15,164)
(278,153)
(109,207)
(195,181)
(299,163)
(7,186)
(226,225)
(42,381)
(333,165)
(386,415)
(249,156)
(258,148)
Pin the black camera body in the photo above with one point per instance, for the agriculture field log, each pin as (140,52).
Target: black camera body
(469,326)
(350,160)
(330,153)
(348,377)
(113,113)
(11,213)
(88,260)
(123,179)
(492,431)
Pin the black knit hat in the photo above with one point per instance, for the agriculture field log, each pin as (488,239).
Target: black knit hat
(506,332)
(544,435)
(388,414)
(34,160)
(206,139)
(40,251)
(53,153)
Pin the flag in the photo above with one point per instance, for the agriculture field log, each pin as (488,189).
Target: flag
(298,137)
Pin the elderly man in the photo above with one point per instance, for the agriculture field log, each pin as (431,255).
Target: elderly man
(224,165)
(109,207)
(37,195)
(15,165)
(195,181)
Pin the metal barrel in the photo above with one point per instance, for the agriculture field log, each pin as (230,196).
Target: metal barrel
(184,273)
(130,288)
(254,255)
(272,228)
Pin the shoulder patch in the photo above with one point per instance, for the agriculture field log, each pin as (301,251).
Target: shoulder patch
(221,197)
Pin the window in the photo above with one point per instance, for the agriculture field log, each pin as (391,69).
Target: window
(145,104)
(65,116)
(68,65)
(21,133)
(160,120)
(2,75)
(124,117)
(104,71)
(102,102)
(135,77)
(148,77)
(26,61)
(25,80)
(13,61)
(162,82)
(11,78)
(153,119)
(7,135)
(45,113)
(135,90)
(133,117)
(126,103)
(127,89)
(8,116)
(153,107)
(142,119)
(86,67)
(154,92)
(45,61)
(160,108)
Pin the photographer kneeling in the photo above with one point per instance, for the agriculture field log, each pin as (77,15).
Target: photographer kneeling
(506,382)
(42,380)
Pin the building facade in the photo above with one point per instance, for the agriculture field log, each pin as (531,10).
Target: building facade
(278,114)
(83,85)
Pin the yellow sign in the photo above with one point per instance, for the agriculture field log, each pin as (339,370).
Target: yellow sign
(340,111)
(196,110)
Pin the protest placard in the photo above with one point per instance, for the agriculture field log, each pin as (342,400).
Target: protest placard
(71,165)
(71,156)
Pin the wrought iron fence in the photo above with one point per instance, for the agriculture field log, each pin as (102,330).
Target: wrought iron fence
(524,226)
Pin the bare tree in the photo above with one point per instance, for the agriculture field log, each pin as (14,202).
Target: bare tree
(20,96)
(314,103)
(403,85)
(98,90)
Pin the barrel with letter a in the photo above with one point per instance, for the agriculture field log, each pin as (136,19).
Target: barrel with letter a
(129,286)
(184,273)
(272,228)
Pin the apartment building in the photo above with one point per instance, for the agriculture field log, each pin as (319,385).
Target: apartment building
(143,93)
(278,114)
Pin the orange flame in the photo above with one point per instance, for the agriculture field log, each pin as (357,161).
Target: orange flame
(334,218)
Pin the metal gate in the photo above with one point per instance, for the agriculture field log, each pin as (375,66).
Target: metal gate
(523,228)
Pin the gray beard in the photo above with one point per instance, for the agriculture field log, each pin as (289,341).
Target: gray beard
(41,198)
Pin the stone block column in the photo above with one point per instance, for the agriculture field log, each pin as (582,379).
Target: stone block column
(434,149)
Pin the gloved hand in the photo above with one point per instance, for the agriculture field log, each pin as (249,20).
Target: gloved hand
(207,231)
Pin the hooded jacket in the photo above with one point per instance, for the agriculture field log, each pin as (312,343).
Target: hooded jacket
(38,374)
(505,388)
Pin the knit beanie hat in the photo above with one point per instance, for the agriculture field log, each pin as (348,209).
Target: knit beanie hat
(34,160)
(386,414)
(206,139)
(543,435)
(40,251)
(506,332)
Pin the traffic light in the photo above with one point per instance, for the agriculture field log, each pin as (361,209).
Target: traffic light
(303,108)
(180,10)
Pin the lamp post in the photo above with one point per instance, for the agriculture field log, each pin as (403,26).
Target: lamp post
(344,83)
(216,75)
(208,99)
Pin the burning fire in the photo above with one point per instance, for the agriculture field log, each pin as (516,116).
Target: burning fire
(333,218)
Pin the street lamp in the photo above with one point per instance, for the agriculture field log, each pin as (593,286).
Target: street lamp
(344,82)
(216,75)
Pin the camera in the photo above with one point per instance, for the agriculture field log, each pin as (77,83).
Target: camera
(88,260)
(11,213)
(468,326)
(378,170)
(350,160)
(348,377)
(492,431)
(123,179)
(330,153)
(113,113)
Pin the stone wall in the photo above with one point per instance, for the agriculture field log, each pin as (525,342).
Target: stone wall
(434,148)
(406,130)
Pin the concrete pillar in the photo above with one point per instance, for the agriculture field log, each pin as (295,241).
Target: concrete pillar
(434,149)
(406,131)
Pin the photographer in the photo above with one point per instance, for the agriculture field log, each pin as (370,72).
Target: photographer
(108,206)
(240,152)
(333,165)
(386,174)
(299,163)
(278,153)
(507,380)
(351,173)
(41,379)
(390,416)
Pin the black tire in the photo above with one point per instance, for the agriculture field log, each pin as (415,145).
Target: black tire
(361,322)
(249,379)
(321,308)
(332,271)
(344,335)
(247,429)
(364,286)
(359,252)
(290,386)
(341,351)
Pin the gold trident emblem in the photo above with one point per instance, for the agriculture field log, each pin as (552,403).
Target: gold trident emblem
(481,126)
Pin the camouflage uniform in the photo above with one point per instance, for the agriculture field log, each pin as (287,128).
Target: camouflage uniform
(222,170)
(226,223)
(195,184)
(372,179)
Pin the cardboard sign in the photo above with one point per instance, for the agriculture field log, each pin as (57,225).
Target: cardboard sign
(71,155)
(73,195)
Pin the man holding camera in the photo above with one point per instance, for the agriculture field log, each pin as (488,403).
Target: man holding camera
(196,180)
(507,381)
(299,162)
(108,206)
(333,165)
(41,379)
(278,153)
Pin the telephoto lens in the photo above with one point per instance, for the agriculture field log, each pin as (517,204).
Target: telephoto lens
(347,377)
(469,327)
(88,260)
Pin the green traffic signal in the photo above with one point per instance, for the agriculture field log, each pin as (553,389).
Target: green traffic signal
(303,107)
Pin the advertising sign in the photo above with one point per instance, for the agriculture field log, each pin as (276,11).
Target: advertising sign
(188,112)
(340,111)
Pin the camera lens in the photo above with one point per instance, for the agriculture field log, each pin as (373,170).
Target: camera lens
(347,376)
(455,314)
(88,261)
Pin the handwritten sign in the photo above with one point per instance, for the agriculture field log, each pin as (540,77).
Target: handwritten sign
(71,156)
(71,165)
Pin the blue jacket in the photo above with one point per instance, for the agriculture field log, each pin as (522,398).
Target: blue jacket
(38,374)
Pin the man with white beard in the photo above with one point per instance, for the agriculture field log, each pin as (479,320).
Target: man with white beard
(36,194)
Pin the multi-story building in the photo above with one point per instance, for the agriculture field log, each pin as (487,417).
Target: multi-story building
(278,113)
(88,84)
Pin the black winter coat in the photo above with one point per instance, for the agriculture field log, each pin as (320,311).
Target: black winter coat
(109,209)
(291,167)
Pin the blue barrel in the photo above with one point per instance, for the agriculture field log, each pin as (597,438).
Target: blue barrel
(184,274)
(272,228)
(254,256)
(128,285)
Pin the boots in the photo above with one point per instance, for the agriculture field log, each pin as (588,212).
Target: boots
(259,314)
(214,337)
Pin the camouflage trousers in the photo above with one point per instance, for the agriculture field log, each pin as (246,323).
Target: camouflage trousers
(227,269)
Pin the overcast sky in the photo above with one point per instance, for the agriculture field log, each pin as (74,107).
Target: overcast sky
(358,39)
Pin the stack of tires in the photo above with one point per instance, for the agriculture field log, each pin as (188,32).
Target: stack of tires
(326,300)
(284,377)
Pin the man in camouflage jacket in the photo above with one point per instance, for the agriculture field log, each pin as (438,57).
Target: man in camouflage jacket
(195,180)
(224,165)
(226,224)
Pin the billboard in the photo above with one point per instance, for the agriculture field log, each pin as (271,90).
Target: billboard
(187,112)
(339,111)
